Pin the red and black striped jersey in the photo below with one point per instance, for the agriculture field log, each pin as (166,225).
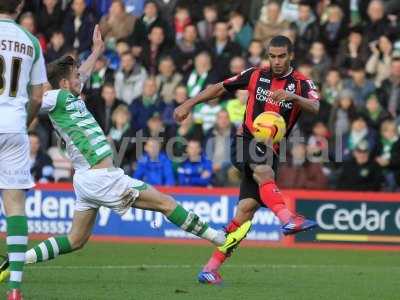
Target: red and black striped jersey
(261,84)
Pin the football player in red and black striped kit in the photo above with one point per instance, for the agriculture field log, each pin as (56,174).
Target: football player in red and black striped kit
(280,89)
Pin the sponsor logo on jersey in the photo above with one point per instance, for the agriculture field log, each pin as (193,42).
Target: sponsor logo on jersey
(311,84)
(266,80)
(264,95)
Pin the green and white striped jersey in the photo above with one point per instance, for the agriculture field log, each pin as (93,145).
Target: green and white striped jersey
(85,140)
(21,65)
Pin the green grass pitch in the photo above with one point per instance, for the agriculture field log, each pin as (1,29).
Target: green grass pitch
(163,272)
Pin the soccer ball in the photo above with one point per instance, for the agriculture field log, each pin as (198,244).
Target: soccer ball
(269,126)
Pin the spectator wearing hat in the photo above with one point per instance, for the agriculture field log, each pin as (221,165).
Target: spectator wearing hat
(154,167)
(343,111)
(299,173)
(129,79)
(387,153)
(359,84)
(360,172)
(196,170)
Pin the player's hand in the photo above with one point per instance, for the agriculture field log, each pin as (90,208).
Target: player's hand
(98,43)
(281,95)
(182,111)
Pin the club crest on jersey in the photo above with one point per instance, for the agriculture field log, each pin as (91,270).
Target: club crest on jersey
(291,88)
(311,84)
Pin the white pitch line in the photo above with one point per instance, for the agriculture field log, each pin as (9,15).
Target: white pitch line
(248,266)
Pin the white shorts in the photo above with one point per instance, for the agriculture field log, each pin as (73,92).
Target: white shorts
(105,187)
(15,162)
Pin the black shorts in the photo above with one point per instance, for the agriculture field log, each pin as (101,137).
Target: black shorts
(247,152)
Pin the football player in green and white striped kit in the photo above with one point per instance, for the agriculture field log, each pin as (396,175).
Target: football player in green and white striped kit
(22,75)
(96,181)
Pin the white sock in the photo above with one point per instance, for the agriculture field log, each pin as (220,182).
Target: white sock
(217,237)
(30,257)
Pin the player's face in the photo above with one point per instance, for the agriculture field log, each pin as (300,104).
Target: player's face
(74,84)
(279,58)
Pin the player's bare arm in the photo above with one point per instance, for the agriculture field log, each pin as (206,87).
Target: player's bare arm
(310,105)
(211,92)
(34,104)
(86,69)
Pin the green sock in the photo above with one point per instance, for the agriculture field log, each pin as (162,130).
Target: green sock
(188,221)
(17,239)
(49,249)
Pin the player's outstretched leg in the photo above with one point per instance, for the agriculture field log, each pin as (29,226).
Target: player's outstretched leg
(274,200)
(244,213)
(49,249)
(17,239)
(151,199)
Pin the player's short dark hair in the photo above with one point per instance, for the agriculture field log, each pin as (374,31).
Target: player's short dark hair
(60,69)
(9,6)
(281,41)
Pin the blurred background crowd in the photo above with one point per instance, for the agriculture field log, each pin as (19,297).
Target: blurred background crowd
(162,52)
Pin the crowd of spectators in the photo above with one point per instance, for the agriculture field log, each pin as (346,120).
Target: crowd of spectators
(162,52)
